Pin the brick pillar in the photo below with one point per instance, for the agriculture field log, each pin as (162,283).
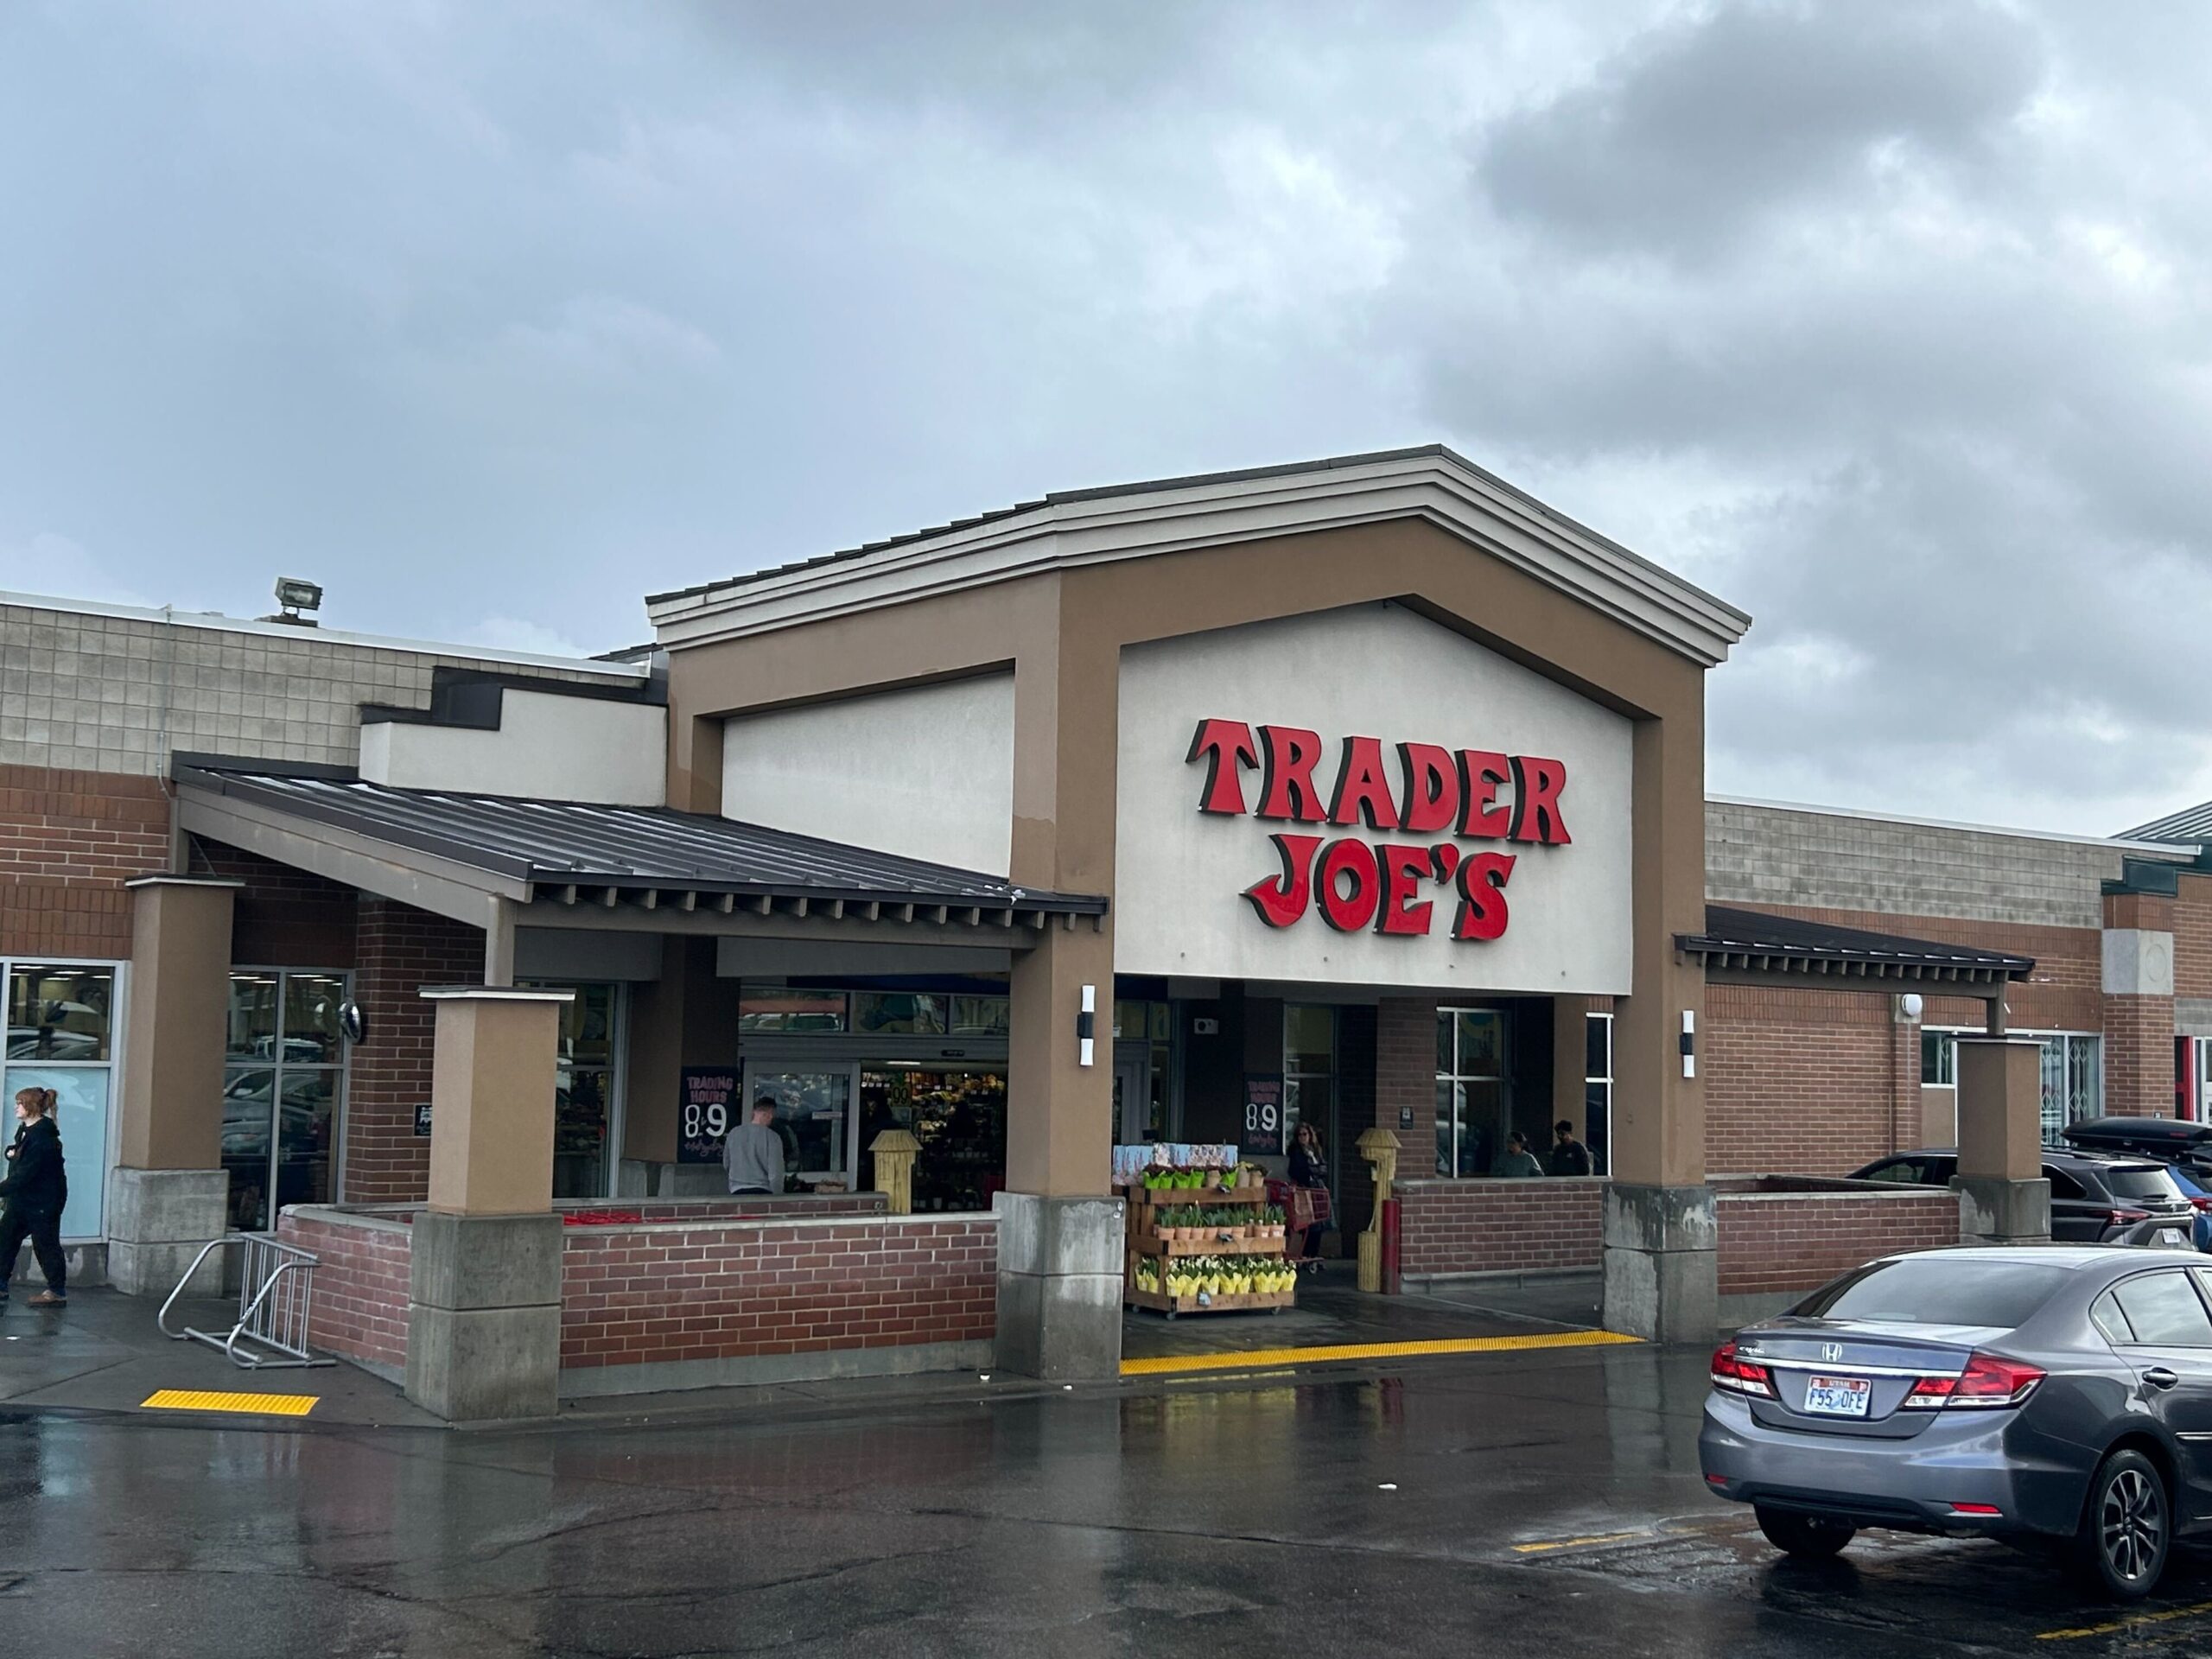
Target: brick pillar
(2138,1004)
(1405,1088)
(398,950)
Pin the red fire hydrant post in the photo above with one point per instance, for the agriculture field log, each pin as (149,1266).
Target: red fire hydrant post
(1390,1281)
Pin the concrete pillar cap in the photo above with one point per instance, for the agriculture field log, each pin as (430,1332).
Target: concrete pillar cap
(163,879)
(492,993)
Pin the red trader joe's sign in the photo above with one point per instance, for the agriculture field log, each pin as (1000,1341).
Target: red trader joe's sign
(1426,798)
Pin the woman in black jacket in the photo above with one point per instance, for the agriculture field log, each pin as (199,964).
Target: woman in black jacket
(35,1189)
(1309,1169)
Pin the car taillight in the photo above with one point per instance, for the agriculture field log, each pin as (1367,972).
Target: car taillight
(2121,1218)
(2201,1202)
(1739,1375)
(1988,1383)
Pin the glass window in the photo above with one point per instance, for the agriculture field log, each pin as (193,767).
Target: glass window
(1309,1063)
(1937,1290)
(2111,1322)
(252,1025)
(959,1117)
(1471,1126)
(1938,1052)
(899,1013)
(583,1093)
(813,1112)
(775,1007)
(59,1013)
(2163,1310)
(981,1016)
(80,1112)
(311,1006)
(282,1092)
(2143,1181)
(2063,1186)
(1598,1089)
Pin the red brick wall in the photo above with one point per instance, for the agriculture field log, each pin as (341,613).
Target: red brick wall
(2139,1056)
(2193,937)
(282,918)
(1405,1080)
(360,1285)
(636,1295)
(1485,1226)
(1806,1083)
(1799,1241)
(398,950)
(68,841)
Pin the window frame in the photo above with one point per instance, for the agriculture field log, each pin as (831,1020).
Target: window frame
(341,1069)
(117,1058)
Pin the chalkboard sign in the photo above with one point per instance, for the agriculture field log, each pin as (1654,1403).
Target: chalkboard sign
(1263,1115)
(709,1096)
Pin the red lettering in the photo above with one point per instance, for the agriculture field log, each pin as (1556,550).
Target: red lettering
(1287,789)
(1404,868)
(1361,791)
(1537,784)
(1482,896)
(1432,796)
(1223,740)
(1348,912)
(1283,900)
(1481,771)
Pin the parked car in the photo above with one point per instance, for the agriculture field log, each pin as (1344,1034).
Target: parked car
(2094,1197)
(2043,1392)
(2167,1139)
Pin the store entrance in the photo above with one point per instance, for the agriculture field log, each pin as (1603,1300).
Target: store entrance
(959,1117)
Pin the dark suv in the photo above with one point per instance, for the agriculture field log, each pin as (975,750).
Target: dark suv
(2095,1198)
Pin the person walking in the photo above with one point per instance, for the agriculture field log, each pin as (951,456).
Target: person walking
(754,1153)
(1569,1156)
(1309,1181)
(34,1193)
(1517,1162)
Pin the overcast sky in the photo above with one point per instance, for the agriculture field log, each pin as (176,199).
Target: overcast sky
(1887,323)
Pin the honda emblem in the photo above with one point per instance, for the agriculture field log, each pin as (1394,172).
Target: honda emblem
(1831,1351)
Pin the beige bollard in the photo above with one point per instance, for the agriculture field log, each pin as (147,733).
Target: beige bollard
(895,1151)
(1379,1147)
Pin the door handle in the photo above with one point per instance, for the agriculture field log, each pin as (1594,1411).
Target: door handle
(2159,1377)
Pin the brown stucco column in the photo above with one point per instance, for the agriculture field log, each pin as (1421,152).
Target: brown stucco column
(484,1331)
(2003,1197)
(1060,1232)
(686,1017)
(1661,1240)
(170,1194)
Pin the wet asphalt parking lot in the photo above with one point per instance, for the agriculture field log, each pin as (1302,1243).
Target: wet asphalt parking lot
(1546,1503)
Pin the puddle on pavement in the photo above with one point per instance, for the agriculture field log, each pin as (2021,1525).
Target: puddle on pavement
(1965,1591)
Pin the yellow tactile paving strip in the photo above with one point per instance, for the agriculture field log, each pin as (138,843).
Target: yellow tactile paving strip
(1171,1364)
(266,1405)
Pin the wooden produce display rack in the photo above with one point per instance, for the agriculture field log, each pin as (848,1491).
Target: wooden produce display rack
(1143,1207)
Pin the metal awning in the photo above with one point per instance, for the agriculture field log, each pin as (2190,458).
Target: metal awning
(543,863)
(1751,947)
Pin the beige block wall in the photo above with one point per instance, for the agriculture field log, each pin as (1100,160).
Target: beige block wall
(90,692)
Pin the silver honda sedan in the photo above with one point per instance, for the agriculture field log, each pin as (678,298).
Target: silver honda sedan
(2054,1392)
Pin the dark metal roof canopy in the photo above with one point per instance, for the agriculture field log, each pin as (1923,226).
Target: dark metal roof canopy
(1750,946)
(578,857)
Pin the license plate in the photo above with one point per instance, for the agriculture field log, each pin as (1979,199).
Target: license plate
(1838,1396)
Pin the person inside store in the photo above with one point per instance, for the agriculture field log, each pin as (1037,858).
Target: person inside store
(35,1191)
(1569,1156)
(753,1153)
(1309,1196)
(1517,1161)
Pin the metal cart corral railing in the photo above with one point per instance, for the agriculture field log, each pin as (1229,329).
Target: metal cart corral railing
(276,1289)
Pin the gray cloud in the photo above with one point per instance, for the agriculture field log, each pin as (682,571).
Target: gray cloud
(1887,321)
(1696,132)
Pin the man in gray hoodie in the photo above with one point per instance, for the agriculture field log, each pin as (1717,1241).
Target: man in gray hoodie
(753,1153)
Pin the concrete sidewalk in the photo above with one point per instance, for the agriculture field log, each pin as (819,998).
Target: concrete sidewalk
(103,1352)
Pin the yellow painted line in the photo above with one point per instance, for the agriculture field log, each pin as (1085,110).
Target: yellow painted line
(1172,1364)
(269,1404)
(2118,1624)
(1573,1543)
